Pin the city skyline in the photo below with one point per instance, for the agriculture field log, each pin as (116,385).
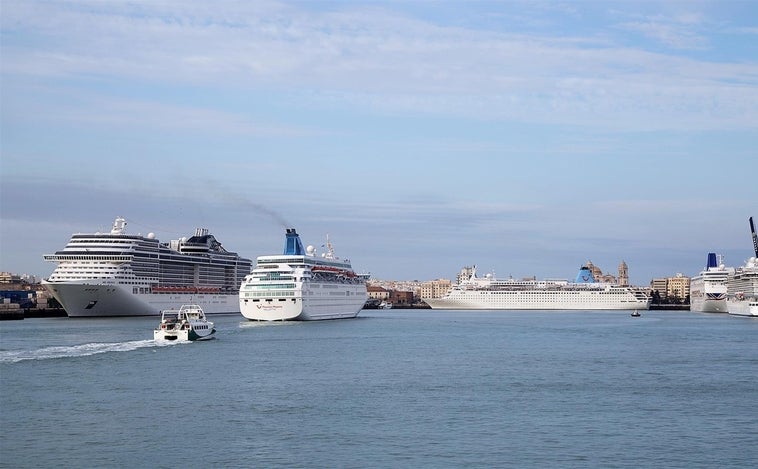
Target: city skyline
(524,137)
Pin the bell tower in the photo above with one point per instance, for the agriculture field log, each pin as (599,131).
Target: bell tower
(623,274)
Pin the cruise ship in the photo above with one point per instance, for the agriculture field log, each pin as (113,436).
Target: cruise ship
(582,294)
(742,287)
(708,288)
(300,285)
(120,274)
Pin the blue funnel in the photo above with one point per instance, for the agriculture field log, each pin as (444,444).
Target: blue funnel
(585,275)
(712,260)
(293,246)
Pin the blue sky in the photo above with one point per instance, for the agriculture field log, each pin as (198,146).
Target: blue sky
(523,137)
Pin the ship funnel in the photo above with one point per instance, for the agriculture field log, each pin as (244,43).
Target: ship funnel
(585,275)
(755,237)
(712,261)
(292,245)
(119,224)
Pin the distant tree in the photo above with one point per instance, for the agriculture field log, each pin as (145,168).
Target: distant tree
(655,297)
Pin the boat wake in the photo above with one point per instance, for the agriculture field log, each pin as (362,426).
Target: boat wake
(71,351)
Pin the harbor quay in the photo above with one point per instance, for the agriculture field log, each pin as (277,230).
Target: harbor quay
(151,275)
(28,298)
(22,300)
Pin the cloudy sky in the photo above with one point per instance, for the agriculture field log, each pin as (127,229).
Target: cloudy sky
(523,137)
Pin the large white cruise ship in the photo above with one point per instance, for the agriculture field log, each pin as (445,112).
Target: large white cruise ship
(742,288)
(708,288)
(120,274)
(583,294)
(299,285)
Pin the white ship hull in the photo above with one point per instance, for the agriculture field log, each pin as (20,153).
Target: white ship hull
(88,300)
(308,305)
(742,299)
(122,274)
(531,294)
(536,300)
(746,307)
(708,305)
(183,335)
(301,286)
(708,289)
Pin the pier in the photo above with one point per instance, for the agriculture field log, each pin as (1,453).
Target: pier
(13,312)
(669,307)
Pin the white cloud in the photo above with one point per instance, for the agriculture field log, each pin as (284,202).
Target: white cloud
(439,140)
(382,62)
(675,35)
(74,107)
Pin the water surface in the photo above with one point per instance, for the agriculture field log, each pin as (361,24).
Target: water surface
(398,388)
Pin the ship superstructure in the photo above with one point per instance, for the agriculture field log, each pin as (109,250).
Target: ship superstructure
(742,288)
(300,285)
(530,294)
(121,274)
(708,288)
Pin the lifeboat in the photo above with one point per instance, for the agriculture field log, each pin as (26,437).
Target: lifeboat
(333,270)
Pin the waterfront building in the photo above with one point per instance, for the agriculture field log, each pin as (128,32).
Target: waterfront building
(676,287)
(659,285)
(377,292)
(402,297)
(435,288)
(9,277)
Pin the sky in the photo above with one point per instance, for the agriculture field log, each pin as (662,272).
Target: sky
(525,138)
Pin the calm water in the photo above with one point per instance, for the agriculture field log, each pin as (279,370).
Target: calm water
(396,388)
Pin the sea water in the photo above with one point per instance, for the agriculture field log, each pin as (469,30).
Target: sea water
(398,388)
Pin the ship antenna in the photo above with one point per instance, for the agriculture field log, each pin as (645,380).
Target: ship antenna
(329,248)
(755,237)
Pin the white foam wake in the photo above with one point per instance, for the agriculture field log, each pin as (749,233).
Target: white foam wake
(13,356)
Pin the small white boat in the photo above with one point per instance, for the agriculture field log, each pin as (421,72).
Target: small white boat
(187,323)
(636,314)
